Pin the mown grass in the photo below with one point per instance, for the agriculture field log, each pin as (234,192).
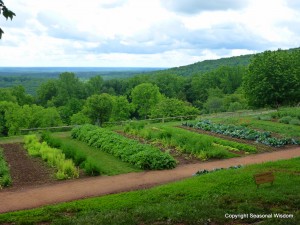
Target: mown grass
(196,200)
(12,139)
(288,130)
(107,164)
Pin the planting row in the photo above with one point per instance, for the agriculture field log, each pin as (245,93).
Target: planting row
(71,151)
(5,179)
(131,151)
(241,132)
(54,157)
(199,145)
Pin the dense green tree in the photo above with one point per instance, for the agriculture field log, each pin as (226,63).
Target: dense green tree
(145,96)
(169,85)
(7,95)
(80,118)
(214,104)
(169,107)
(21,96)
(69,86)
(6,13)
(273,79)
(73,106)
(121,108)
(6,109)
(47,91)
(98,108)
(94,85)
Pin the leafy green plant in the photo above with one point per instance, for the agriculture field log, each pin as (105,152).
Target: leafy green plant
(285,119)
(5,178)
(54,157)
(200,145)
(294,121)
(241,132)
(72,152)
(141,155)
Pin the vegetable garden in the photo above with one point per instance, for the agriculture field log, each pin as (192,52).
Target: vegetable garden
(202,146)
(242,132)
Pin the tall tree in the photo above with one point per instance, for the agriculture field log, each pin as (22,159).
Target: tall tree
(273,79)
(145,96)
(99,108)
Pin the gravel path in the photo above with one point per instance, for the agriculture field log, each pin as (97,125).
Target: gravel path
(31,197)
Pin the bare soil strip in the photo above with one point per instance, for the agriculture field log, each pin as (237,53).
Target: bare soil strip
(25,170)
(98,186)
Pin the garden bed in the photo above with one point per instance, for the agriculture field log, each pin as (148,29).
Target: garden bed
(25,170)
(181,158)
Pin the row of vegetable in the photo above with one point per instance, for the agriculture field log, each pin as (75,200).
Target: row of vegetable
(72,151)
(241,132)
(5,178)
(54,157)
(199,145)
(141,155)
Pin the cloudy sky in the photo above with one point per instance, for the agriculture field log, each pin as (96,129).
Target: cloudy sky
(144,33)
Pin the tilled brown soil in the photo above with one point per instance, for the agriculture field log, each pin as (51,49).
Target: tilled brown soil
(25,170)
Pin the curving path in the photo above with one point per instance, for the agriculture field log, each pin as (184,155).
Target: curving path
(32,197)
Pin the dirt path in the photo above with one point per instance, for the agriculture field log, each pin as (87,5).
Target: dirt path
(98,186)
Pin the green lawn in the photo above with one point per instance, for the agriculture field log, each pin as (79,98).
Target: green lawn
(108,164)
(196,200)
(12,139)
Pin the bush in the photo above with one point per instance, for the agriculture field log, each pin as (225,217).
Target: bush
(5,179)
(285,119)
(295,121)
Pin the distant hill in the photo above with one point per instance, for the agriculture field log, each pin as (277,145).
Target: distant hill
(210,65)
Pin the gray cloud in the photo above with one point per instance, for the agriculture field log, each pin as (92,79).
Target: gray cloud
(174,36)
(196,6)
(59,27)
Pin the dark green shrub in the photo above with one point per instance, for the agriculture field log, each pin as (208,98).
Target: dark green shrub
(91,169)
(285,119)
(295,121)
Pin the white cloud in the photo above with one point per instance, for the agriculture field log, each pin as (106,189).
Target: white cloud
(142,32)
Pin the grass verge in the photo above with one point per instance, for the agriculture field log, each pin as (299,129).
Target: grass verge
(204,199)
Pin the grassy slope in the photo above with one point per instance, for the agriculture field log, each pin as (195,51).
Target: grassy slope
(192,201)
(108,164)
(279,128)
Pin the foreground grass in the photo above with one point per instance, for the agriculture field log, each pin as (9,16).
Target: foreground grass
(197,200)
(107,164)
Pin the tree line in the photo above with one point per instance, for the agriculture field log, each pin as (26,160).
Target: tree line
(272,79)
